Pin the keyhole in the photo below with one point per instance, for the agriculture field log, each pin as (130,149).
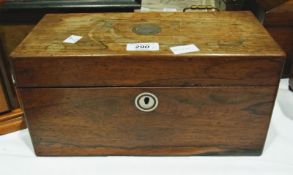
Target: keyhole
(146,100)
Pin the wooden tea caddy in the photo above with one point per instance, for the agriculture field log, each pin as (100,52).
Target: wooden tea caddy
(87,98)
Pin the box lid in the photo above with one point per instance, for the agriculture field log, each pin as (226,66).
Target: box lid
(234,50)
(214,33)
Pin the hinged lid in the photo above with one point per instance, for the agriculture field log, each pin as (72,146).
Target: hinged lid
(215,33)
(234,49)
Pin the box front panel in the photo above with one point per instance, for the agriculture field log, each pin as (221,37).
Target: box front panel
(186,121)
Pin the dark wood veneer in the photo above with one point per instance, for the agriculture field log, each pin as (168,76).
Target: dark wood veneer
(147,71)
(79,99)
(279,22)
(105,121)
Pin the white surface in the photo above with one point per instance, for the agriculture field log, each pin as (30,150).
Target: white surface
(184,49)
(72,39)
(169,9)
(17,156)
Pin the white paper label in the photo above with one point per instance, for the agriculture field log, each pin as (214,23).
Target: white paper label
(72,39)
(184,49)
(143,47)
(169,10)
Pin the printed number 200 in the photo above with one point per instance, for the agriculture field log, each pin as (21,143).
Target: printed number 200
(142,46)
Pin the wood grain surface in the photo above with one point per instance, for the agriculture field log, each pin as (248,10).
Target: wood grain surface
(147,71)
(4,104)
(11,121)
(10,36)
(105,121)
(79,98)
(12,125)
(279,22)
(11,115)
(284,37)
(215,33)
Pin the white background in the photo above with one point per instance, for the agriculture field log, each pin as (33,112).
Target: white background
(17,156)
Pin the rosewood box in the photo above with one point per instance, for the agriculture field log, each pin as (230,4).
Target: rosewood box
(95,97)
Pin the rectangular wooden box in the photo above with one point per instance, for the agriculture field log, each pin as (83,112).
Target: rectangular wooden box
(80,99)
